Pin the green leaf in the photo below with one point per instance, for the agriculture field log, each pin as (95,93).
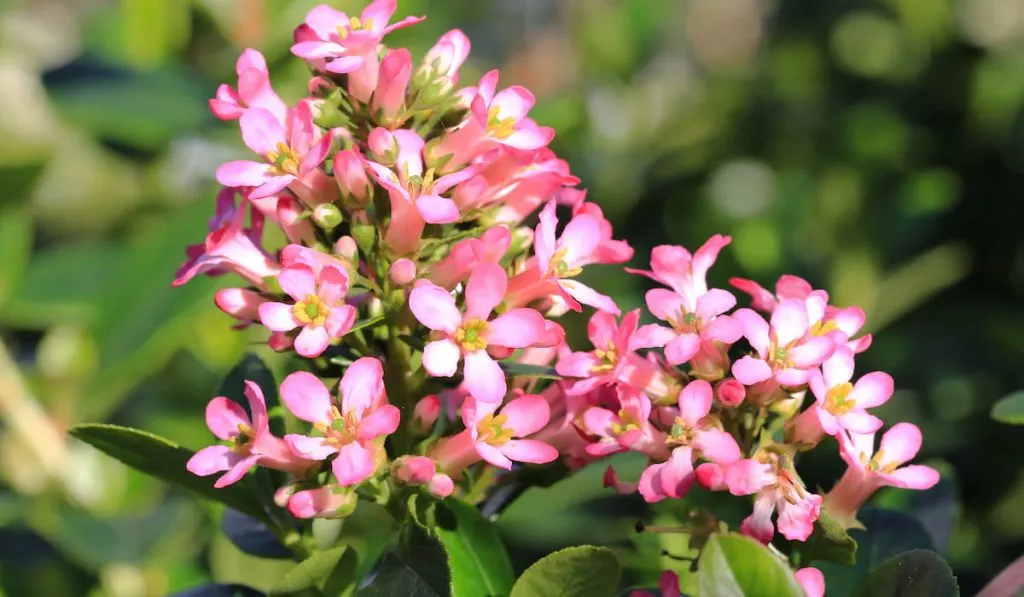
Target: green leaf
(422,551)
(584,571)
(336,564)
(1010,409)
(512,368)
(735,566)
(395,578)
(829,542)
(916,573)
(15,246)
(477,558)
(166,460)
(366,323)
(886,534)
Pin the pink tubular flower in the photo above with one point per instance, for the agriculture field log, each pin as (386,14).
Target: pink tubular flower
(348,44)
(230,246)
(389,97)
(785,349)
(469,254)
(319,307)
(290,153)
(626,429)
(350,429)
(693,434)
(416,197)
(470,337)
(812,581)
(350,174)
(495,119)
(839,404)
(493,436)
(557,261)
(249,441)
(777,487)
(254,91)
(513,181)
(868,470)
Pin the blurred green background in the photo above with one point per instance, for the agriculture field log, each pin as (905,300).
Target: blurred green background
(874,148)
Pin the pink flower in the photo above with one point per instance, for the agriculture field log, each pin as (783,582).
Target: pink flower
(319,307)
(495,119)
(557,261)
(416,197)
(249,441)
(730,393)
(420,470)
(608,250)
(788,287)
(786,352)
(329,501)
(350,429)
(496,436)
(470,337)
(626,429)
(230,246)
(840,405)
(350,173)
(695,435)
(515,182)
(469,254)
(442,61)
(812,581)
(389,97)
(684,273)
(289,153)
(254,91)
(348,44)
(868,470)
(241,303)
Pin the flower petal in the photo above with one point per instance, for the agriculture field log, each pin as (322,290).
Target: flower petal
(353,465)
(516,328)
(811,353)
(261,132)
(313,448)
(277,317)
(362,386)
(789,322)
(441,358)
(437,210)
(749,371)
(485,290)
(212,459)
(312,341)
(434,307)
(873,389)
(914,476)
(306,397)
(695,401)
(899,444)
(528,450)
(682,348)
(236,472)
(493,455)
(755,328)
(243,173)
(717,446)
(298,280)
(383,421)
(224,416)
(484,378)
(527,414)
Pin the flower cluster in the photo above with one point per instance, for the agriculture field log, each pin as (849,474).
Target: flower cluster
(410,273)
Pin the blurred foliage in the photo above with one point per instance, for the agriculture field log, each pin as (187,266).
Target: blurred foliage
(870,146)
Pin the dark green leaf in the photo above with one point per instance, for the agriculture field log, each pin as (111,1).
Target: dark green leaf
(307,576)
(396,579)
(218,590)
(584,571)
(425,554)
(512,368)
(366,323)
(916,573)
(368,532)
(166,460)
(829,542)
(886,533)
(1010,409)
(252,536)
(477,559)
(735,566)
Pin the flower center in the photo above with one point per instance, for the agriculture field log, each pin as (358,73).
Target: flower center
(837,400)
(823,327)
(311,310)
(607,359)
(491,430)
(558,267)
(472,335)
(354,24)
(681,433)
(342,429)
(499,128)
(686,323)
(242,442)
(284,159)
(875,463)
(626,422)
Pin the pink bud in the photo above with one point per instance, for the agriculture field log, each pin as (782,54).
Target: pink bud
(280,341)
(289,217)
(441,485)
(320,86)
(352,179)
(239,303)
(326,502)
(426,412)
(395,72)
(414,470)
(346,247)
(730,392)
(712,476)
(383,146)
(403,271)
(284,494)
(447,55)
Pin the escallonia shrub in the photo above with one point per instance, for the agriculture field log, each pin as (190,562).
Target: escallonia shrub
(431,371)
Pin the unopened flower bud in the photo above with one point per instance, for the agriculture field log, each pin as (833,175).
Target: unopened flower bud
(426,412)
(280,341)
(402,271)
(522,240)
(414,470)
(284,494)
(354,183)
(383,146)
(325,502)
(440,485)
(240,303)
(365,235)
(327,216)
(730,392)
(346,247)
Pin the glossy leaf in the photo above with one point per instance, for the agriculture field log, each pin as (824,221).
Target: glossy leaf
(735,565)
(309,575)
(219,590)
(584,571)
(537,371)
(252,536)
(1010,409)
(166,460)
(477,558)
(422,551)
(829,542)
(394,578)
(916,573)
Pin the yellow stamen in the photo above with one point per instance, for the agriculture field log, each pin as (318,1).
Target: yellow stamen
(491,430)
(499,128)
(625,423)
(472,335)
(242,442)
(284,159)
(311,310)
(558,268)
(837,402)
(608,359)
